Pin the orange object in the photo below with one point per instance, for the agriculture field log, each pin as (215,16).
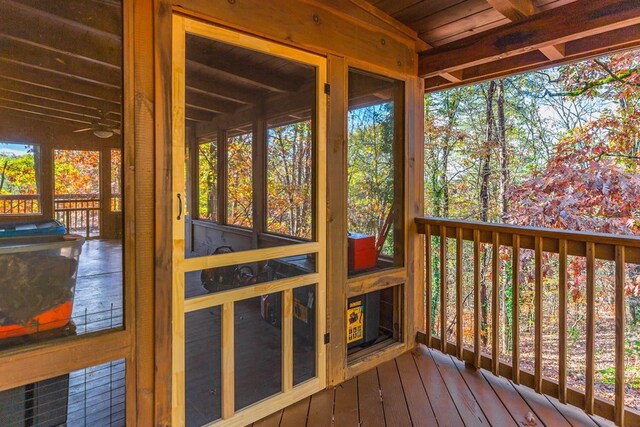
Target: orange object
(55,318)
(362,252)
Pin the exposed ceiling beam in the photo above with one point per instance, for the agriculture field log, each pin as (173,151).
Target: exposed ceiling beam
(200,78)
(579,19)
(33,101)
(55,33)
(49,80)
(100,16)
(210,103)
(588,47)
(13,50)
(56,95)
(228,67)
(516,10)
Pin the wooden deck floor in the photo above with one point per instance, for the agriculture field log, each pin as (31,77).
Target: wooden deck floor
(428,388)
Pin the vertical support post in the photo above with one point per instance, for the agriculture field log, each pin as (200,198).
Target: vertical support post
(287,340)
(495,303)
(428,282)
(228,361)
(591,327)
(476,298)
(538,315)
(459,317)
(619,312)
(515,310)
(443,288)
(562,319)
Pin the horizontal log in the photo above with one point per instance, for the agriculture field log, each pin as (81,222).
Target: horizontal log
(579,19)
(588,47)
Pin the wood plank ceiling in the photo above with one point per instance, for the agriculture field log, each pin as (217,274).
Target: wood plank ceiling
(61,66)
(469,41)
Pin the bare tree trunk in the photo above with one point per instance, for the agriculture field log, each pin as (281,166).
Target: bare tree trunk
(504,183)
(485,174)
(3,174)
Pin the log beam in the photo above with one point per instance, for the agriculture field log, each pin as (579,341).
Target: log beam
(601,44)
(573,21)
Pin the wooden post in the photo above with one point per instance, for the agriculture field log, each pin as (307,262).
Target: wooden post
(515,310)
(428,253)
(337,221)
(562,319)
(495,305)
(443,288)
(537,382)
(591,327)
(619,312)
(476,298)
(459,317)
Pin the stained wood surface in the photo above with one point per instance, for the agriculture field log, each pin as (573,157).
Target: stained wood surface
(425,387)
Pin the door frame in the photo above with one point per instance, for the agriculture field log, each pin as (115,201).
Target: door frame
(289,394)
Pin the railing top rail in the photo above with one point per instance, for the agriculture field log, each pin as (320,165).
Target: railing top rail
(19,196)
(549,233)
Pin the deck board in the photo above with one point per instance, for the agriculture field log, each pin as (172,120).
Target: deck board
(443,405)
(296,414)
(321,409)
(576,417)
(394,403)
(548,414)
(346,404)
(428,388)
(417,399)
(493,408)
(369,399)
(510,398)
(466,403)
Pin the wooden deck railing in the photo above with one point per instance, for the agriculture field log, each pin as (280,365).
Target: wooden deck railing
(19,204)
(622,250)
(80,213)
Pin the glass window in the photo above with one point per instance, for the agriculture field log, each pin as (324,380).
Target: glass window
(208,179)
(19,179)
(374,176)
(289,185)
(116,180)
(60,156)
(240,180)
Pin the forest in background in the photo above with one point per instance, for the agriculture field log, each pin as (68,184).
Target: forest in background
(554,148)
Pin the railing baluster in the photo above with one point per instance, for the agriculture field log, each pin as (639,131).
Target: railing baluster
(562,319)
(538,316)
(443,288)
(515,310)
(620,323)
(495,303)
(428,283)
(590,344)
(459,317)
(620,312)
(476,298)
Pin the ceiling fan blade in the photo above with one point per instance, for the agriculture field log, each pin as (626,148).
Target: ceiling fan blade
(82,130)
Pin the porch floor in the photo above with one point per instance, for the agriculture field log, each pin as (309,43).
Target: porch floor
(427,388)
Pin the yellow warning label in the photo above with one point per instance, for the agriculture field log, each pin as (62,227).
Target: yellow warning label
(354,323)
(300,311)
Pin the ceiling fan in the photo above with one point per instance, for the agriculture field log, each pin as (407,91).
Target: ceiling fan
(100,128)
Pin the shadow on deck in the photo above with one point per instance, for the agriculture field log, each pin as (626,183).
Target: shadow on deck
(428,388)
